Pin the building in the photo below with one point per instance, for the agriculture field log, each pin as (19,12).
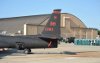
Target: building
(71,26)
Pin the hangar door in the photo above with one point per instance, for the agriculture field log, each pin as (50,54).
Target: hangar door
(30,29)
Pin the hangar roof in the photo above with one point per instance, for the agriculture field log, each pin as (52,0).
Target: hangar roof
(40,19)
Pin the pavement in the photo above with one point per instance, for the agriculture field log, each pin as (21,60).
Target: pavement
(65,53)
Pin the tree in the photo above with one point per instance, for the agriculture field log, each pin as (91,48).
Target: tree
(98,32)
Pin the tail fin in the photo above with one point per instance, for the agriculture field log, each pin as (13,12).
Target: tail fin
(52,28)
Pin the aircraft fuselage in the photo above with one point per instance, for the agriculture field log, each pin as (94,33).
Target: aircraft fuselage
(25,41)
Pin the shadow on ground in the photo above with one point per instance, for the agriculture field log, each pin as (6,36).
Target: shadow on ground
(10,52)
(6,53)
(64,52)
(69,53)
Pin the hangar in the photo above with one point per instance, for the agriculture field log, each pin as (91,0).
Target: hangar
(71,26)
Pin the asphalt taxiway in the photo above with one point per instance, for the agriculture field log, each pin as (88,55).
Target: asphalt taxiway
(65,53)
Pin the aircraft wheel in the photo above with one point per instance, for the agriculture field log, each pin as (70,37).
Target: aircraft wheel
(27,51)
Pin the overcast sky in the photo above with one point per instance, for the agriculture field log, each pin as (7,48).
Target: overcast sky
(86,10)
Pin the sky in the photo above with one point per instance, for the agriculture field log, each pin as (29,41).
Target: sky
(88,11)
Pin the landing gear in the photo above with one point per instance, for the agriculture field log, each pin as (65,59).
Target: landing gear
(27,51)
(19,45)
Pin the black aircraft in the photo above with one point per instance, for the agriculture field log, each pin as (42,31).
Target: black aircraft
(47,39)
